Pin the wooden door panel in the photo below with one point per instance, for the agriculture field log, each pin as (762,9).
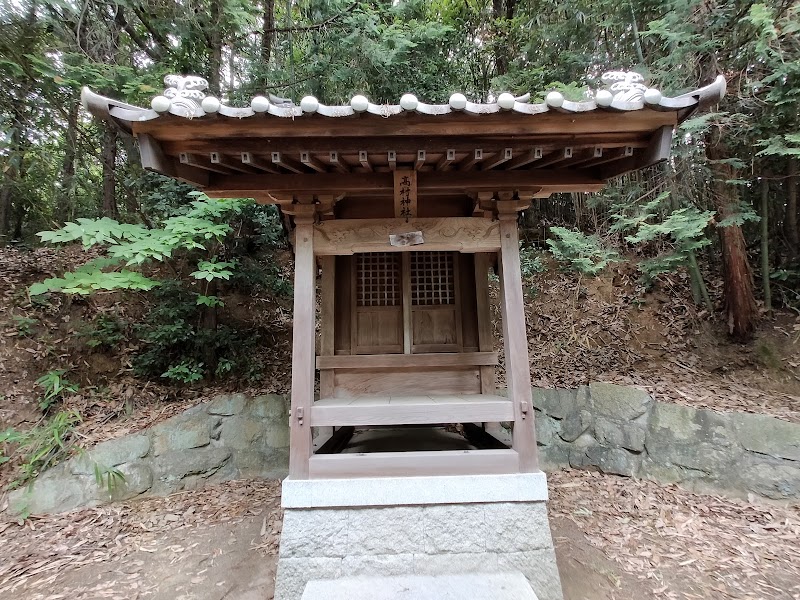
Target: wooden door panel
(379,330)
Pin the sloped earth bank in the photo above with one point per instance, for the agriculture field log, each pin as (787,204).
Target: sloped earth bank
(616,538)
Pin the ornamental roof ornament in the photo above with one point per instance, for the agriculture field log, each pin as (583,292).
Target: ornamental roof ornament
(183,96)
(622,91)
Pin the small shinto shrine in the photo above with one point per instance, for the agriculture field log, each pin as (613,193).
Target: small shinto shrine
(398,214)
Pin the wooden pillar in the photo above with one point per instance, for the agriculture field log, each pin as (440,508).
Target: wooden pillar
(485,338)
(303,338)
(515,338)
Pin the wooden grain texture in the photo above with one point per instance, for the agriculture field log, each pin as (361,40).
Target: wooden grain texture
(516,342)
(343,284)
(422,380)
(393,361)
(411,410)
(405,193)
(303,339)
(348,236)
(327,320)
(407,464)
(484,317)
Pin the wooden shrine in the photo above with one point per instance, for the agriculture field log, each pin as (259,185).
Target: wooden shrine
(398,213)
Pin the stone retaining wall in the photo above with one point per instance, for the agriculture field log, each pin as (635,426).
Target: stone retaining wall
(621,430)
(602,426)
(231,437)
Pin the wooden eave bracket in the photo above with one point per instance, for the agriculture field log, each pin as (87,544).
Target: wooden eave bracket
(657,150)
(154,159)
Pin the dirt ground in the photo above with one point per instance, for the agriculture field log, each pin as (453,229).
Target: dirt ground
(616,538)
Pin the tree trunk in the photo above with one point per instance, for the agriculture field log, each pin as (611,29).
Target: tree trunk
(269,34)
(740,303)
(215,56)
(66,196)
(765,283)
(790,221)
(500,49)
(108,156)
(10,176)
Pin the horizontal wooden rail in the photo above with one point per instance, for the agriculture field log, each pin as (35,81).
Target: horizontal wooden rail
(409,464)
(411,410)
(393,361)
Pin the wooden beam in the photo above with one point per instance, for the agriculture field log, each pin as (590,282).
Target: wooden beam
(282,161)
(584,156)
(657,150)
(224,161)
(153,159)
(401,464)
(448,157)
(419,126)
(337,442)
(480,438)
(418,410)
(310,161)
(338,162)
(462,234)
(420,160)
(525,159)
(515,339)
(251,159)
(555,157)
(303,338)
(393,361)
(471,160)
(200,162)
(363,158)
(391,157)
(498,159)
(428,181)
(609,155)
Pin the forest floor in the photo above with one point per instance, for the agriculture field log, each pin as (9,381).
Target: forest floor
(615,537)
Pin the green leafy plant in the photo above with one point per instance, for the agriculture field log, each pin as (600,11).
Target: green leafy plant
(41,447)
(106,331)
(109,477)
(55,387)
(582,253)
(530,262)
(23,325)
(186,371)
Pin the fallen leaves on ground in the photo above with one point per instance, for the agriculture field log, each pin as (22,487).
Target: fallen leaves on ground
(686,545)
(38,551)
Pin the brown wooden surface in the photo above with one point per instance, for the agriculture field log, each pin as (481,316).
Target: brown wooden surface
(302,347)
(411,410)
(515,339)
(327,320)
(405,193)
(343,285)
(466,234)
(458,359)
(484,317)
(422,380)
(409,464)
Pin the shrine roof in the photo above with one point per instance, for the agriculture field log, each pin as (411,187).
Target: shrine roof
(274,150)
(185,98)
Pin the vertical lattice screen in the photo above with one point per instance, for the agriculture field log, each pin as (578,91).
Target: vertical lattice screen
(378,282)
(432,278)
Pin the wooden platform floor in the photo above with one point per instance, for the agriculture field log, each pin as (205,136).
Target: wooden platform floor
(411,410)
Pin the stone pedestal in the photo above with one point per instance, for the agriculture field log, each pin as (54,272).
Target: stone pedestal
(416,526)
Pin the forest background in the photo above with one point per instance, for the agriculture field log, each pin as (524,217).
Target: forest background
(722,214)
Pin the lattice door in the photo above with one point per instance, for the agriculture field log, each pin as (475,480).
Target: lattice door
(378,304)
(435,317)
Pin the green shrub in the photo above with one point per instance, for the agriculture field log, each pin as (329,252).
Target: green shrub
(41,447)
(104,332)
(55,387)
(583,253)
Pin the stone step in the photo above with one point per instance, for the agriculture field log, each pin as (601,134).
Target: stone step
(480,586)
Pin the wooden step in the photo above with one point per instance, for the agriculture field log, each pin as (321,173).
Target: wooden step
(408,464)
(411,410)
